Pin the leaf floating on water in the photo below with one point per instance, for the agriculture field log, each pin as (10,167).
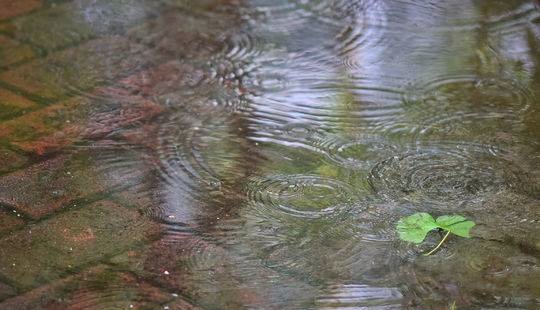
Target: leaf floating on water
(414,228)
(456,224)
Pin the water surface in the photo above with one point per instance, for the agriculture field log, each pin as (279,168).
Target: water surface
(226,154)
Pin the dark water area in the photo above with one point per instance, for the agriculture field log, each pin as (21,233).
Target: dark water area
(257,154)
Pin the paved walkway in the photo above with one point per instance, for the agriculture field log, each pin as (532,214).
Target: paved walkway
(65,217)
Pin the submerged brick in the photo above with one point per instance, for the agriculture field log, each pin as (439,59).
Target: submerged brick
(78,70)
(12,105)
(81,118)
(11,8)
(96,288)
(12,51)
(9,221)
(64,243)
(6,291)
(75,21)
(10,160)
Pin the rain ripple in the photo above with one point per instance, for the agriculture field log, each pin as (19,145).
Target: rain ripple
(445,174)
(352,296)
(201,150)
(457,105)
(303,196)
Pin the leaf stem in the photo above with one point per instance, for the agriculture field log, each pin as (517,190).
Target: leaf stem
(438,245)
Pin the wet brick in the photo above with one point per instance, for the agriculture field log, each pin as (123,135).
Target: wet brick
(6,291)
(9,221)
(46,187)
(181,304)
(96,288)
(80,69)
(12,52)
(61,181)
(64,243)
(10,160)
(12,105)
(108,110)
(193,268)
(182,35)
(73,22)
(126,111)
(43,122)
(11,8)
(163,79)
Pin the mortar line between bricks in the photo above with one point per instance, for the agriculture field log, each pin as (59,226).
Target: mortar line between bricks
(9,209)
(12,284)
(75,204)
(62,275)
(156,284)
(27,95)
(40,51)
(71,94)
(45,6)
(31,159)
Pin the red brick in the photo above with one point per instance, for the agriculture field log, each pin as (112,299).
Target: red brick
(96,288)
(80,69)
(10,160)
(181,263)
(47,250)
(163,79)
(11,8)
(53,184)
(47,186)
(9,221)
(12,104)
(72,22)
(53,128)
(13,52)
(6,291)
(43,122)
(128,110)
(181,304)
(182,35)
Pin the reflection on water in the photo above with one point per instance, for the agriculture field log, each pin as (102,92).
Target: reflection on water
(267,149)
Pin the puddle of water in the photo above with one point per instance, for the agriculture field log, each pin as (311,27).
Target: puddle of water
(264,151)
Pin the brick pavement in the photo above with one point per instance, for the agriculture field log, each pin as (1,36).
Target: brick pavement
(80,83)
(66,104)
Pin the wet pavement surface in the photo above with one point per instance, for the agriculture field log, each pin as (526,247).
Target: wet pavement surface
(257,154)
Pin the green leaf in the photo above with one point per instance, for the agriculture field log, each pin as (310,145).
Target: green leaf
(455,224)
(414,228)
